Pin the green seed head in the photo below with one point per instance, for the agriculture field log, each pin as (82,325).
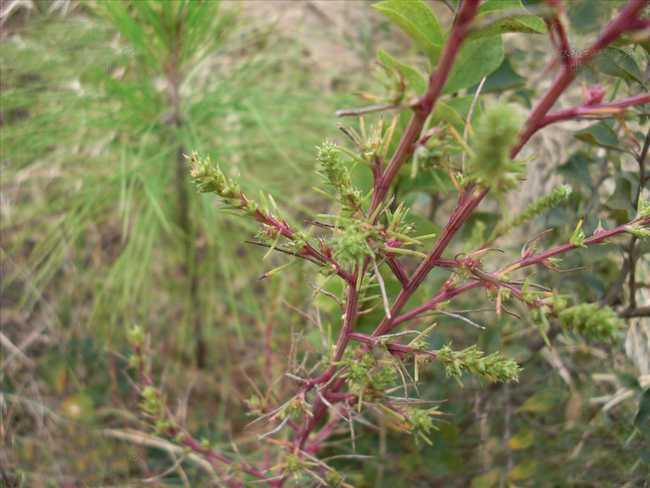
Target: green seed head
(496,133)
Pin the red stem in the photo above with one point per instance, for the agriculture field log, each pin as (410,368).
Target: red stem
(425,105)
(442,296)
(627,19)
(349,321)
(449,293)
(594,111)
(282,228)
(556,26)
(554,251)
(397,270)
(467,202)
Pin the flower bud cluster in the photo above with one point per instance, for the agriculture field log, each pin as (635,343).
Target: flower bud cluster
(591,320)
(491,165)
(209,178)
(493,367)
(421,422)
(334,170)
(638,231)
(152,402)
(351,245)
(367,375)
(558,196)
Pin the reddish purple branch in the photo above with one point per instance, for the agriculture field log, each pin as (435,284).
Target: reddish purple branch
(597,238)
(394,348)
(627,20)
(558,33)
(467,202)
(596,111)
(491,280)
(216,459)
(349,320)
(308,251)
(440,297)
(425,105)
(398,270)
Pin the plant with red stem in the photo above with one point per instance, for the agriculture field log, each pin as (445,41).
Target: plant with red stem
(371,235)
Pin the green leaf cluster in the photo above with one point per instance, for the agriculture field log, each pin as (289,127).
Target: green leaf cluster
(417,20)
(481,55)
(350,245)
(638,231)
(135,335)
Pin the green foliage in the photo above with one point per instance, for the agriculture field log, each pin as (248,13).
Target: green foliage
(337,175)
(578,237)
(638,231)
(418,21)
(558,196)
(117,161)
(350,245)
(421,422)
(477,59)
(617,62)
(136,336)
(509,16)
(368,375)
(642,419)
(152,402)
(209,178)
(599,134)
(496,133)
(493,367)
(416,81)
(591,320)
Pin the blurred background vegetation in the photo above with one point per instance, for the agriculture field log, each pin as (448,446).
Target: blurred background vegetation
(101,100)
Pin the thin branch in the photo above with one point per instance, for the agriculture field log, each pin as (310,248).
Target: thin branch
(599,111)
(636,312)
(350,112)
(143,439)
(467,202)
(558,33)
(382,288)
(632,246)
(397,269)
(598,238)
